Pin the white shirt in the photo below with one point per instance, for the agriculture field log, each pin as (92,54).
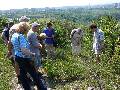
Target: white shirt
(98,37)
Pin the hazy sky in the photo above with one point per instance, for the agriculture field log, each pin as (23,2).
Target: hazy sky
(18,4)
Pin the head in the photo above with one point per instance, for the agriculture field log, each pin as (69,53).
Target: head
(23,27)
(93,27)
(79,30)
(11,23)
(49,25)
(35,27)
(24,19)
(5,24)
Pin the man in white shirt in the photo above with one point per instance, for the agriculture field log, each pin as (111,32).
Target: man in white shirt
(98,39)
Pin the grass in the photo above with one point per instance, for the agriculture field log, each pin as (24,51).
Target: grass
(66,72)
(6,70)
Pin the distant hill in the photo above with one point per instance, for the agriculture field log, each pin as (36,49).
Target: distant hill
(72,13)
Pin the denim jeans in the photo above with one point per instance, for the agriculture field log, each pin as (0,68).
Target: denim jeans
(26,66)
(38,61)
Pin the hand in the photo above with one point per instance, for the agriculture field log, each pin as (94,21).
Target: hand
(92,50)
(40,45)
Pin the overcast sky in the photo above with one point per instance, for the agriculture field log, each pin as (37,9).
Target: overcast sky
(18,4)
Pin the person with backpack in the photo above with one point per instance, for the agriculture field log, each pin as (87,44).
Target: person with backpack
(10,52)
(49,40)
(23,56)
(12,31)
(5,33)
(98,41)
(76,41)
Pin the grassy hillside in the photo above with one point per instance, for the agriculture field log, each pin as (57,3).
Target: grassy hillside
(6,70)
(66,71)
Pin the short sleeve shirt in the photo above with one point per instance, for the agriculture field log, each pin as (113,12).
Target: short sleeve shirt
(19,41)
(34,42)
(49,33)
(97,38)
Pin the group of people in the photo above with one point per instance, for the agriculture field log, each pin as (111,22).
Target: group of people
(98,41)
(26,46)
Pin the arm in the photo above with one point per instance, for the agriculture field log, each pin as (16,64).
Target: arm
(33,39)
(50,37)
(27,51)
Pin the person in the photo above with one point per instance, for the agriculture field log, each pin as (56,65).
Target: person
(76,38)
(24,19)
(98,40)
(23,57)
(10,52)
(35,46)
(49,40)
(5,33)
(12,31)
(41,39)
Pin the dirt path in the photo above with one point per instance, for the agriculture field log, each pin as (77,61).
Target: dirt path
(15,86)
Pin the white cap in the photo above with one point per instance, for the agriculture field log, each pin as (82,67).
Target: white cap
(35,24)
(23,19)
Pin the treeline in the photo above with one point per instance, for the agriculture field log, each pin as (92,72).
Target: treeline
(78,14)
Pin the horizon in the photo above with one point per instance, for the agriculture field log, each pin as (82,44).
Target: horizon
(50,3)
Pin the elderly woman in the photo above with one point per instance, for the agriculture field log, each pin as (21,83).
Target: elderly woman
(10,53)
(23,57)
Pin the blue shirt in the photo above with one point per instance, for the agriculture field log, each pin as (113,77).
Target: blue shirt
(19,41)
(49,33)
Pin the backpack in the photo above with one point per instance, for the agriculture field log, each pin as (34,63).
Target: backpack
(73,33)
(10,47)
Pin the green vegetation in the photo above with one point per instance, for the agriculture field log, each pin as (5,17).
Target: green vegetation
(66,69)
(6,69)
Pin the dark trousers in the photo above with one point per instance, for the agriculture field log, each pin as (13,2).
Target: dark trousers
(26,66)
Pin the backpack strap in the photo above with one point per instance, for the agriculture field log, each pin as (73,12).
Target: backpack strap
(19,43)
(73,34)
